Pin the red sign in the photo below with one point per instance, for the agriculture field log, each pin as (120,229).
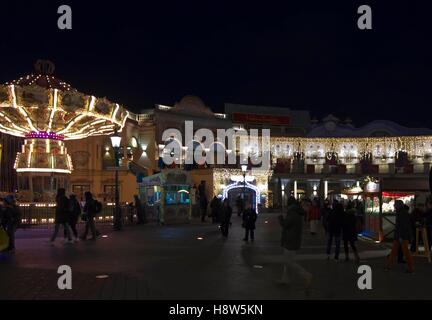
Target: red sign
(261,118)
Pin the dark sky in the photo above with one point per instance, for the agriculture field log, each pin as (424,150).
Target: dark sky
(310,56)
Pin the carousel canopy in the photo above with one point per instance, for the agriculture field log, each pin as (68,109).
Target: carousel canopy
(42,104)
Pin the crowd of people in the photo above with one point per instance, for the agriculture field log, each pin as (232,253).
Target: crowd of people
(68,213)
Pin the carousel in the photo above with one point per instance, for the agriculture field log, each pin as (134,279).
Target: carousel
(46,111)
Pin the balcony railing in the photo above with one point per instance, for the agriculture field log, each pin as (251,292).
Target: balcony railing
(355,169)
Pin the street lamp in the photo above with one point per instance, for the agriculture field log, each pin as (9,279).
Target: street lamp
(115,141)
(244,169)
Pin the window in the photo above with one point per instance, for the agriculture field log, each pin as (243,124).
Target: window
(79,190)
(109,193)
(177,194)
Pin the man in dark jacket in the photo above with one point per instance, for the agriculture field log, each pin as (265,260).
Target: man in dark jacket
(225,217)
(335,221)
(215,206)
(90,211)
(249,219)
(11,220)
(74,214)
(62,215)
(428,220)
(402,236)
(349,231)
(292,229)
(140,210)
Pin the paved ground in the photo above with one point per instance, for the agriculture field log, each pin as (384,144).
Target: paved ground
(152,262)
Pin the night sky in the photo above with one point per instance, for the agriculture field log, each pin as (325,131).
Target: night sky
(310,56)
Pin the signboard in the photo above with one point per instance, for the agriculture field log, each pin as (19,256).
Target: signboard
(372,187)
(260,118)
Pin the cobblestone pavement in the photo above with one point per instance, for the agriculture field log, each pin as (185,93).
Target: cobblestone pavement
(170,262)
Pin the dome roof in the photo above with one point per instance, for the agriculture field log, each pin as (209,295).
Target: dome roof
(192,105)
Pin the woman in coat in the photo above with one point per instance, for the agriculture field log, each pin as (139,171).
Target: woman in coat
(349,231)
(62,215)
(292,225)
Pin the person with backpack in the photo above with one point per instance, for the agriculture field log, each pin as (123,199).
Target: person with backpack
(91,208)
(11,220)
(61,216)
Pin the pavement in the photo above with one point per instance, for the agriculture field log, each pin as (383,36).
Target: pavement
(193,261)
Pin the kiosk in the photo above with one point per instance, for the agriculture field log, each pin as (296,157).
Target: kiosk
(166,195)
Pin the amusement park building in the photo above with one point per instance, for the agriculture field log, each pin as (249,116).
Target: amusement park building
(308,158)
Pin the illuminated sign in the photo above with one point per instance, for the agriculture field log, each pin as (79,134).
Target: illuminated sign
(261,118)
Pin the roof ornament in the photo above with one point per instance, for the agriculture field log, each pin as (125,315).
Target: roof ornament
(44,67)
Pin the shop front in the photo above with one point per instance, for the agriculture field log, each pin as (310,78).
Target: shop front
(379,200)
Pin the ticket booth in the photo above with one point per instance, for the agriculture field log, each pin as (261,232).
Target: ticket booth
(166,195)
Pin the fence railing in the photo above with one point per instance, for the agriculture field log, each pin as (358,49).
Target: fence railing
(43,215)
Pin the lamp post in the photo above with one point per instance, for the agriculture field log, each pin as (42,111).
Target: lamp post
(115,141)
(244,169)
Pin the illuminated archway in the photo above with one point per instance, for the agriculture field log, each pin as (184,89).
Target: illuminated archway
(248,186)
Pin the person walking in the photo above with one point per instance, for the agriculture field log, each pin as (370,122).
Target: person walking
(335,221)
(74,214)
(139,210)
(215,207)
(314,216)
(427,215)
(193,200)
(61,216)
(349,231)
(417,220)
(239,205)
(90,211)
(203,207)
(402,237)
(249,219)
(325,213)
(11,220)
(291,238)
(226,213)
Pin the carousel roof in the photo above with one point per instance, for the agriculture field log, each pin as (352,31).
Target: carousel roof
(42,77)
(42,104)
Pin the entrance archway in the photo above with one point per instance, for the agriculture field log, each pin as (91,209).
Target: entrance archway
(251,193)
